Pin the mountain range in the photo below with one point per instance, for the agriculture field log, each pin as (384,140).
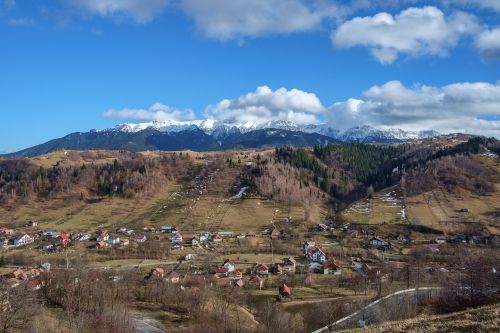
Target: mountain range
(209,134)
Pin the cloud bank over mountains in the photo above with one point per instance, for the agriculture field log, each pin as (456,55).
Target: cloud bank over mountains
(459,107)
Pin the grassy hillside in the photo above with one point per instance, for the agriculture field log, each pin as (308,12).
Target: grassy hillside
(485,319)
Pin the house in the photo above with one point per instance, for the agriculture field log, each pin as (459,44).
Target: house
(440,239)
(149,229)
(256,282)
(376,241)
(122,230)
(261,269)
(6,231)
(25,275)
(240,236)
(167,229)
(284,292)
(177,246)
(217,238)
(289,265)
(402,238)
(195,241)
(103,236)
(173,277)
(64,237)
(23,239)
(177,237)
(140,238)
(315,254)
(308,244)
(320,227)
(229,264)
(47,247)
(20,274)
(45,267)
(204,237)
(315,267)
(32,223)
(51,234)
(157,272)
(225,234)
(187,239)
(113,240)
(124,241)
(189,256)
(239,283)
(218,270)
(331,267)
(34,285)
(275,234)
(83,237)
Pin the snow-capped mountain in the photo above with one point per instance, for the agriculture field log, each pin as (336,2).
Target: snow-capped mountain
(220,130)
(209,134)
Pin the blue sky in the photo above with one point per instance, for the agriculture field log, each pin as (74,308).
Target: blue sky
(65,65)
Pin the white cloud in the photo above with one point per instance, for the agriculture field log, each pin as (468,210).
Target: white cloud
(156,112)
(237,19)
(488,43)
(141,11)
(21,21)
(414,32)
(265,105)
(459,107)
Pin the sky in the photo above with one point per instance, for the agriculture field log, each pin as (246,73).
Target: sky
(75,65)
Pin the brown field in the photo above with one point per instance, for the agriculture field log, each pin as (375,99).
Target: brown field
(486,319)
(384,206)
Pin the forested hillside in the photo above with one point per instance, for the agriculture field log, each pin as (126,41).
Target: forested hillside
(343,173)
(128,175)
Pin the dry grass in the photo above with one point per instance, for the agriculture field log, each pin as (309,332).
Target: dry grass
(384,206)
(486,319)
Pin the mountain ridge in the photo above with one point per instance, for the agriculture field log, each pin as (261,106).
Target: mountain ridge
(209,134)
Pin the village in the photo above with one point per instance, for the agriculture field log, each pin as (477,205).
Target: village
(188,258)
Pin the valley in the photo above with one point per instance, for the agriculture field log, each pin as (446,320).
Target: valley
(186,236)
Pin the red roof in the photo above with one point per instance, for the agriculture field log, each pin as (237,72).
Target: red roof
(262,267)
(64,236)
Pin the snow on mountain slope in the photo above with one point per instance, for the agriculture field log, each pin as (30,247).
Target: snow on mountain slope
(219,129)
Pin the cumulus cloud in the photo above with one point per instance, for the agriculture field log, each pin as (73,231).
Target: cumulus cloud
(238,19)
(141,11)
(459,107)
(488,43)
(156,112)
(414,32)
(265,105)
